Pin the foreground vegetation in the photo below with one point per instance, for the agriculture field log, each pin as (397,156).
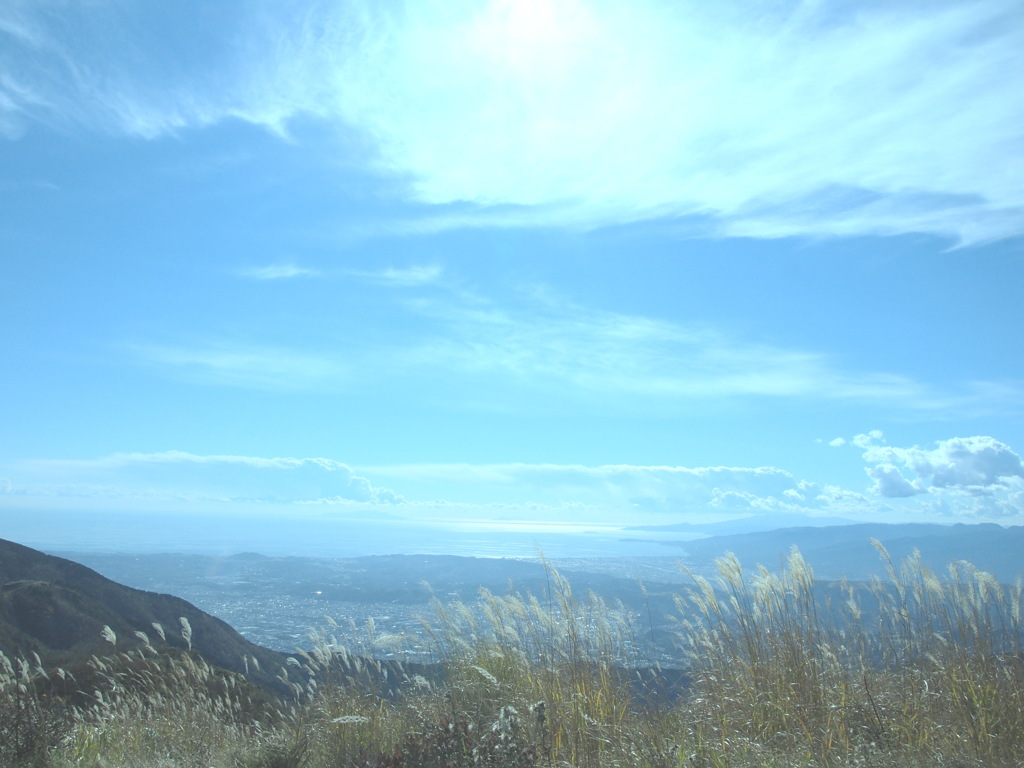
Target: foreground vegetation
(911,671)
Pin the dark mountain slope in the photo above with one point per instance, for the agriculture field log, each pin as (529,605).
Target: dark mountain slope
(58,608)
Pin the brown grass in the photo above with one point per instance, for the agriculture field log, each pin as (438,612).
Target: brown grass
(913,670)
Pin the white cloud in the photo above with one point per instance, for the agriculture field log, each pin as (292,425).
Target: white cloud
(187,476)
(398,277)
(548,340)
(890,482)
(225,363)
(868,439)
(278,272)
(837,442)
(772,123)
(628,488)
(422,274)
(980,463)
(835,497)
(562,344)
(543,349)
(977,478)
(759,120)
(411,276)
(653,494)
(613,495)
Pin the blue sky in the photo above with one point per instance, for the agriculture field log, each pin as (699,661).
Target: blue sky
(597,262)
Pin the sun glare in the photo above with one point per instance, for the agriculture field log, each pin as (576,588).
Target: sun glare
(530,20)
(534,38)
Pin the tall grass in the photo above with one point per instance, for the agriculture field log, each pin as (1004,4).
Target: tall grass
(516,680)
(913,670)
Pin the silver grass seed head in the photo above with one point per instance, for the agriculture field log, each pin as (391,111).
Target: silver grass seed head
(350,719)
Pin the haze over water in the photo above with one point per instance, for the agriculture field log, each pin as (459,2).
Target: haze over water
(333,537)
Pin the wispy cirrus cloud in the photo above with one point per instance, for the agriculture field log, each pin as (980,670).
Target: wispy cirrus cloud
(258,366)
(544,348)
(419,274)
(550,341)
(408,276)
(733,119)
(280,271)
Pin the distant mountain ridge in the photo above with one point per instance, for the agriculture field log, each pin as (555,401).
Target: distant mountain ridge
(58,608)
(846,551)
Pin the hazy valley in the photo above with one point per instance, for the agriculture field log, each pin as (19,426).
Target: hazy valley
(277,601)
(443,660)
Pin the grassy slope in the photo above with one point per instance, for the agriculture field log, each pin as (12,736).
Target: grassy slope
(932,676)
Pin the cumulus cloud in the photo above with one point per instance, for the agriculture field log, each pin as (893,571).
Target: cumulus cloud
(749,119)
(203,477)
(962,462)
(836,497)
(837,442)
(974,478)
(868,439)
(890,482)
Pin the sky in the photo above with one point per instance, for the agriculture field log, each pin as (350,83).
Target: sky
(592,263)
